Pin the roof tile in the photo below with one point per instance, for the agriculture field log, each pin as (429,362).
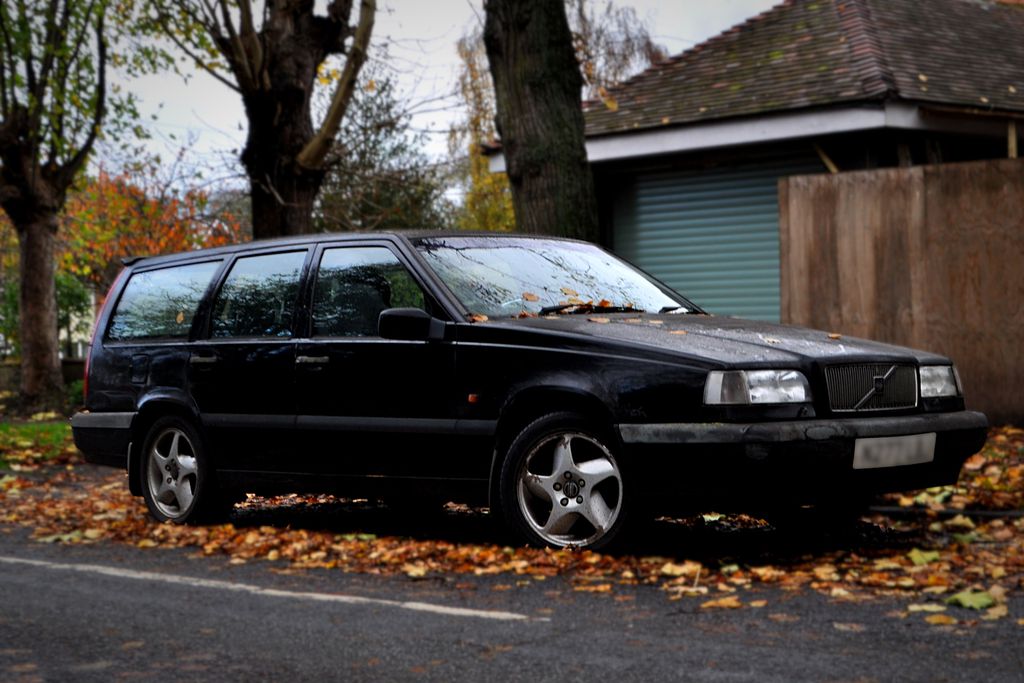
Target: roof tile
(810,53)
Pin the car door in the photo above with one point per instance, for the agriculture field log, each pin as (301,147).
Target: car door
(369,406)
(242,374)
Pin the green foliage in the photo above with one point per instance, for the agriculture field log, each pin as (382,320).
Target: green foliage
(75,395)
(74,304)
(379,178)
(8,315)
(53,76)
(48,439)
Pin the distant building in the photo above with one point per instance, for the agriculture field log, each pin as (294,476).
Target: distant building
(687,154)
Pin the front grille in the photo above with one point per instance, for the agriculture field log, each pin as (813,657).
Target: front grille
(876,386)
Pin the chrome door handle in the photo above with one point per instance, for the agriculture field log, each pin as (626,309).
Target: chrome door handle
(203,360)
(312,360)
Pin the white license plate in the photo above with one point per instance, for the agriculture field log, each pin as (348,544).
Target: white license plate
(892,451)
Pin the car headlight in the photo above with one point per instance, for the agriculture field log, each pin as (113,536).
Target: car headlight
(939,380)
(745,387)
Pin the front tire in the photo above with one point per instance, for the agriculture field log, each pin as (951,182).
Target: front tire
(177,482)
(561,484)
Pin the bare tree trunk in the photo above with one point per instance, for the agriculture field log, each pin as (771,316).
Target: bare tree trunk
(537,85)
(282,192)
(42,386)
(275,70)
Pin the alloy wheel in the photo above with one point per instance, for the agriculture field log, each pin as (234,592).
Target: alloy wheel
(172,473)
(569,489)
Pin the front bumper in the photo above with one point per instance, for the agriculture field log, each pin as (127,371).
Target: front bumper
(785,463)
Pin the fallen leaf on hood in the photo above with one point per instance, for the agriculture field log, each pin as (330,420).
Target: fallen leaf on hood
(478,318)
(679,332)
(530,296)
(834,335)
(599,320)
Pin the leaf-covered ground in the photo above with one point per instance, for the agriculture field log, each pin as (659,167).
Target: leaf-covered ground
(953,553)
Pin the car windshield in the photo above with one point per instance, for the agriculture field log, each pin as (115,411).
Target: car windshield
(523,277)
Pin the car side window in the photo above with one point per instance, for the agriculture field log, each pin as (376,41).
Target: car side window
(161,303)
(258,297)
(354,284)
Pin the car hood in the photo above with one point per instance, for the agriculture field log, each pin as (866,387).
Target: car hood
(723,339)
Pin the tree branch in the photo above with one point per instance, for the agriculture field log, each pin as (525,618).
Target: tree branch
(51,43)
(313,154)
(8,66)
(70,169)
(58,84)
(239,57)
(183,46)
(30,72)
(251,38)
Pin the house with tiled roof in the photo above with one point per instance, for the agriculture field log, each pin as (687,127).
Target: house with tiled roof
(687,155)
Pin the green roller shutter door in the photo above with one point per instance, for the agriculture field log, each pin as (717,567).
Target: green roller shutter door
(712,235)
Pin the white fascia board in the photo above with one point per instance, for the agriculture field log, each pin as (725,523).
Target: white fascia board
(760,129)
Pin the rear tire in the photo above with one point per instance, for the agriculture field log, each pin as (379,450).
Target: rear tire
(177,480)
(561,484)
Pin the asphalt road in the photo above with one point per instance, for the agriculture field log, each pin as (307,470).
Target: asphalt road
(111,612)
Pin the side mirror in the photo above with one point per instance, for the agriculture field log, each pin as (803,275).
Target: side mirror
(409,324)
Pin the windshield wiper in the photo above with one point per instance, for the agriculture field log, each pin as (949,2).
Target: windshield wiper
(588,308)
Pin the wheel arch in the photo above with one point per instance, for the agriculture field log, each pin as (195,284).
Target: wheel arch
(535,402)
(151,408)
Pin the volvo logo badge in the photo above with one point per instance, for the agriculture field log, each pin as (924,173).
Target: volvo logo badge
(877,388)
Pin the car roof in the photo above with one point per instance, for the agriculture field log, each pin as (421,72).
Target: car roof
(409,235)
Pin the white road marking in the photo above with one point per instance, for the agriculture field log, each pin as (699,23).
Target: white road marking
(196,582)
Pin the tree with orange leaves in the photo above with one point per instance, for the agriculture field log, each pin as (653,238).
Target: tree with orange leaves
(110,217)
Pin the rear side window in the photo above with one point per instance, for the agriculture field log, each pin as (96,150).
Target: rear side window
(353,285)
(258,297)
(161,303)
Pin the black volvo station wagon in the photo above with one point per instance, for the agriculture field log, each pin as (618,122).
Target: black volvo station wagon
(544,377)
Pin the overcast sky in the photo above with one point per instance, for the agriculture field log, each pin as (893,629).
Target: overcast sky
(423,35)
